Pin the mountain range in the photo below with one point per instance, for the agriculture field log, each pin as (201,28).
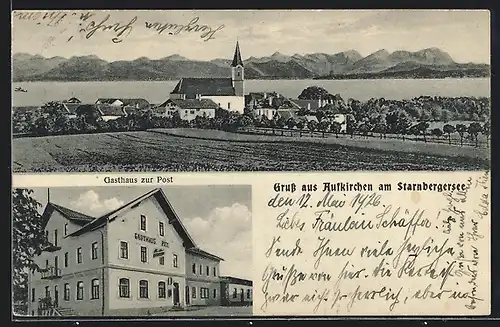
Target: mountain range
(426,63)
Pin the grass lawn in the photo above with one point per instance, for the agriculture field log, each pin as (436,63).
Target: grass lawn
(204,150)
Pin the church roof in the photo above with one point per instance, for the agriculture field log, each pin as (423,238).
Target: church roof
(237,57)
(191,86)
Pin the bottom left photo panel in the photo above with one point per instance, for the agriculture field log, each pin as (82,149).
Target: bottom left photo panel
(132,251)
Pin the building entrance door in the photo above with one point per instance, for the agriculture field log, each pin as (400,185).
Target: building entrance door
(187,295)
(176,293)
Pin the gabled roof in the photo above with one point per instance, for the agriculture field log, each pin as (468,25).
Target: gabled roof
(72,100)
(71,107)
(195,104)
(74,216)
(236,280)
(288,113)
(107,110)
(314,104)
(137,102)
(205,254)
(191,86)
(237,57)
(160,196)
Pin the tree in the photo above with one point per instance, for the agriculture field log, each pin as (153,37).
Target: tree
(437,132)
(314,93)
(28,239)
(312,125)
(487,131)
(461,129)
(300,126)
(351,124)
(403,123)
(323,126)
(89,113)
(335,128)
(474,129)
(422,128)
(290,124)
(448,129)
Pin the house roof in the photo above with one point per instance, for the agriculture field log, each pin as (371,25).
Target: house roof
(71,107)
(205,254)
(164,203)
(314,104)
(141,103)
(237,57)
(236,280)
(288,113)
(196,104)
(74,216)
(205,86)
(72,100)
(107,110)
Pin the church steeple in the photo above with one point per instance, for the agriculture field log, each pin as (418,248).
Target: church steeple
(237,57)
(238,73)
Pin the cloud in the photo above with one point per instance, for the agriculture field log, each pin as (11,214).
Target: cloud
(226,232)
(91,203)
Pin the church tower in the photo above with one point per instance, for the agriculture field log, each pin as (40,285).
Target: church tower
(237,72)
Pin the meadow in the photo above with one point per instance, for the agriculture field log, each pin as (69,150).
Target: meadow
(159,151)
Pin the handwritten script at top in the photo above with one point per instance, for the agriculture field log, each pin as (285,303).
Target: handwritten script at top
(378,251)
(91,23)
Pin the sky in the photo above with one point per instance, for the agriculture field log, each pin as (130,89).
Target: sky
(465,35)
(219,217)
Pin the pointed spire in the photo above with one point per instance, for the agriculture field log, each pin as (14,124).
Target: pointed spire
(237,57)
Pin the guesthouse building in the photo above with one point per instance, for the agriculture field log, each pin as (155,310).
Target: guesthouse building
(135,260)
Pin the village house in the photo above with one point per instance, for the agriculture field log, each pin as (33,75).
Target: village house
(134,260)
(188,109)
(236,291)
(227,93)
(141,104)
(266,104)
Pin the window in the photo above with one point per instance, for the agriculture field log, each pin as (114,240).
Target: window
(215,272)
(162,260)
(79,255)
(175,261)
(144,254)
(201,269)
(66,259)
(124,286)
(66,292)
(161,290)
(229,105)
(215,293)
(94,250)
(143,223)
(204,292)
(194,268)
(47,263)
(56,263)
(66,229)
(248,293)
(193,292)
(47,234)
(143,289)
(161,227)
(33,295)
(55,237)
(47,291)
(79,290)
(235,293)
(95,289)
(191,112)
(208,271)
(123,250)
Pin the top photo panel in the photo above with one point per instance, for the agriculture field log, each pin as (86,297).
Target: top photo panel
(252,90)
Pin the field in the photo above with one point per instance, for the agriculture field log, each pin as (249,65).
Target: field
(157,151)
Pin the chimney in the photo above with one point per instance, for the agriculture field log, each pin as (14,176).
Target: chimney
(265,95)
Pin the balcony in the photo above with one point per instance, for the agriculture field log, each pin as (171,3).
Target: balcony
(51,248)
(51,273)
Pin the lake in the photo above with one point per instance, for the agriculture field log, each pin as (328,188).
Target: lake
(157,92)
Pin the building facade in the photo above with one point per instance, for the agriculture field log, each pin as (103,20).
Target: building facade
(188,109)
(227,93)
(135,260)
(236,291)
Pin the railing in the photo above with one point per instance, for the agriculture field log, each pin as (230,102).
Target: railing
(51,273)
(51,248)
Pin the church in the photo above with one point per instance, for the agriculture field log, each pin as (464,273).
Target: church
(227,93)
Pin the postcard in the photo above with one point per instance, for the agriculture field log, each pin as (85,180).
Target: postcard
(251,163)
